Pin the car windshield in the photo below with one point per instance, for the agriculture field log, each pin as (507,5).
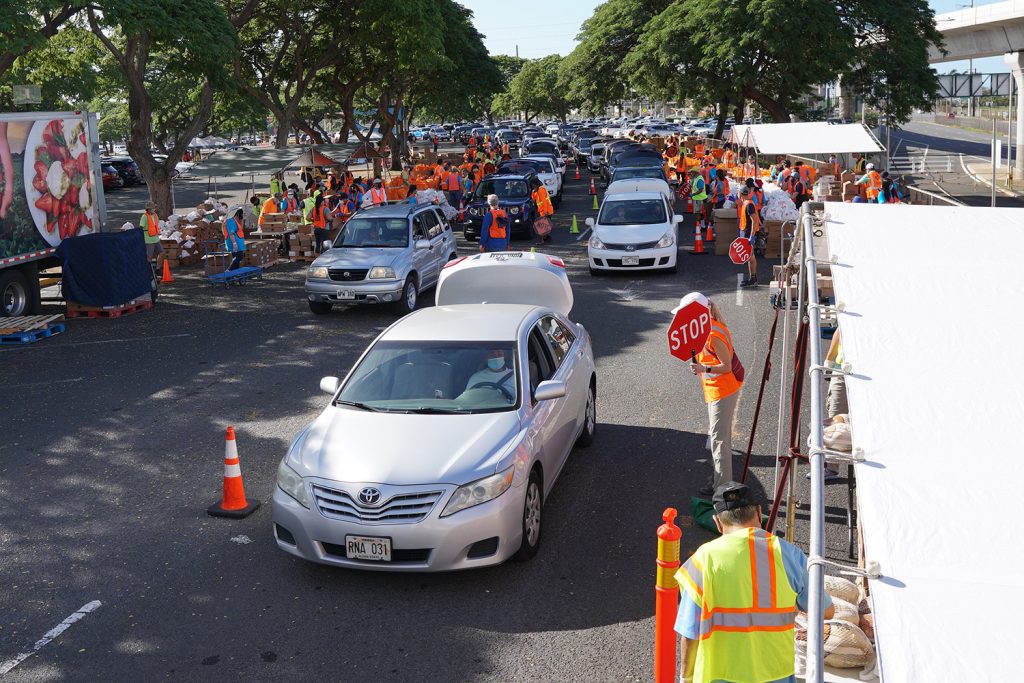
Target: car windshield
(434,377)
(543,165)
(505,188)
(374,232)
(633,212)
(627,173)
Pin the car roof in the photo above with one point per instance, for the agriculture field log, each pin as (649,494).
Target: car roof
(623,196)
(469,322)
(396,210)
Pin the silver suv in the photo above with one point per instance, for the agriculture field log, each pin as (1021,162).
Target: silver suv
(383,254)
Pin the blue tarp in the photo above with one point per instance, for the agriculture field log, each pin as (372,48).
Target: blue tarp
(105,268)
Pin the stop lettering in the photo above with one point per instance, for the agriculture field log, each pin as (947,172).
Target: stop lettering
(689,331)
(739,251)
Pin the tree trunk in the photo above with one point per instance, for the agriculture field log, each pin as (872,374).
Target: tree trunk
(396,157)
(738,112)
(723,113)
(775,108)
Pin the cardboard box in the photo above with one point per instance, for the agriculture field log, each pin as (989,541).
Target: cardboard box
(727,229)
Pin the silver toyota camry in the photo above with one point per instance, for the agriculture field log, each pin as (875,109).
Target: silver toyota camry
(439,448)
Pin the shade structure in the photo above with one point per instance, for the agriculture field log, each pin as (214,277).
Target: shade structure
(312,157)
(265,160)
(815,137)
(938,426)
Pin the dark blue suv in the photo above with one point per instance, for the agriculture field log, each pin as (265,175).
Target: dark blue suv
(513,190)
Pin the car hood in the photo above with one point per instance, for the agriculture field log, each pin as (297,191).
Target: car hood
(352,445)
(630,234)
(357,257)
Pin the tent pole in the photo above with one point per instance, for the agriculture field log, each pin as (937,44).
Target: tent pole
(815,607)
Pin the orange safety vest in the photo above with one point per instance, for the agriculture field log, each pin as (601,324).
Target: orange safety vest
(717,386)
(319,217)
(292,204)
(378,196)
(875,180)
(452,181)
(152,225)
(721,189)
(543,201)
(755,225)
(496,231)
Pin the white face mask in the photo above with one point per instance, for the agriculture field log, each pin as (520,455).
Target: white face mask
(496,364)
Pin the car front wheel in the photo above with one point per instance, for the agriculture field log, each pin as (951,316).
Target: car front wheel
(410,296)
(589,419)
(532,507)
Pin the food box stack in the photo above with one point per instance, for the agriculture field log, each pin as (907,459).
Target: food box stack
(773,245)
(274,222)
(727,229)
(300,247)
(261,253)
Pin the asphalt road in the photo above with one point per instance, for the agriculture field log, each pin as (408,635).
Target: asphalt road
(113,450)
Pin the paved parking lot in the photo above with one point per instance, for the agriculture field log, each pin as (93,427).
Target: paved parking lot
(113,445)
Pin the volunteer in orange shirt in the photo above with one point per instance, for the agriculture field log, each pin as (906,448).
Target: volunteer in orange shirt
(721,387)
(272,205)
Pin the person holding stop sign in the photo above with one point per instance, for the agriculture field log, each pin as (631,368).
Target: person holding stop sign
(750,225)
(721,376)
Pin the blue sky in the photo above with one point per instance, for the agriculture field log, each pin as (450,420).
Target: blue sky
(543,27)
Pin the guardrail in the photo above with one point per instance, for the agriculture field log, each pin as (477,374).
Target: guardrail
(924,163)
(921,197)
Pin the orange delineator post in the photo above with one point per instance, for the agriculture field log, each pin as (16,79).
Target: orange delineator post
(233,503)
(666,599)
(593,188)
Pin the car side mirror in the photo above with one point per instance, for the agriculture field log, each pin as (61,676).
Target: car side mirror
(589,222)
(677,219)
(548,390)
(330,385)
(422,244)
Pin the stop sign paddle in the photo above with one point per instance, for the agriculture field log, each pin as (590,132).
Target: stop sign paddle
(689,331)
(739,251)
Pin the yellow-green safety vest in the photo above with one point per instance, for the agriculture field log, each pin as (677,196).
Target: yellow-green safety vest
(748,608)
(693,190)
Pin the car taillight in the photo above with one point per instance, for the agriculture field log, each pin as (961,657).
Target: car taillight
(556,261)
(454,262)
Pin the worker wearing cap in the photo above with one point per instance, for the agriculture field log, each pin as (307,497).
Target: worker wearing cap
(874,182)
(376,196)
(272,205)
(739,596)
(150,226)
(698,193)
(721,388)
(234,237)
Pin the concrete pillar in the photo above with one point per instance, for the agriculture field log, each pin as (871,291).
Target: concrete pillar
(1015,60)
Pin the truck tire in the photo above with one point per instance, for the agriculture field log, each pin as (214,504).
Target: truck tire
(15,294)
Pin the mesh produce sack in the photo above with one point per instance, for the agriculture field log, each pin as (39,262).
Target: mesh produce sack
(845,611)
(846,646)
(838,436)
(843,589)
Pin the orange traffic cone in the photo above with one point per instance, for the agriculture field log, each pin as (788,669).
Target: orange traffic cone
(710,236)
(689,206)
(577,170)
(167,274)
(593,188)
(698,243)
(233,503)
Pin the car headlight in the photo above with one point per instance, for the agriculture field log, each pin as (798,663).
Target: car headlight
(514,210)
(381,273)
(318,273)
(667,240)
(289,481)
(479,491)
(596,243)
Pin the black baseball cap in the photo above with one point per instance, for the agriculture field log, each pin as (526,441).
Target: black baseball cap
(730,495)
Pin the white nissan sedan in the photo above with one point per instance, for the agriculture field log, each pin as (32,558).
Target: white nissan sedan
(440,446)
(634,231)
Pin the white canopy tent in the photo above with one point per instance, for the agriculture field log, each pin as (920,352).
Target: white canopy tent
(815,137)
(935,407)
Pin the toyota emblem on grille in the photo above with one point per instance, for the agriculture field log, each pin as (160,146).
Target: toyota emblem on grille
(369,496)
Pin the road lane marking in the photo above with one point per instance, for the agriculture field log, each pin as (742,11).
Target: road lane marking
(739,289)
(50,635)
(117,341)
(39,384)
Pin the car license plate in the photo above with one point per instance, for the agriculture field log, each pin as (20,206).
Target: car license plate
(346,294)
(368,548)
(631,260)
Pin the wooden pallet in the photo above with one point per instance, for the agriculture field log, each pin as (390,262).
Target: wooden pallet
(27,323)
(30,336)
(85,312)
(302,259)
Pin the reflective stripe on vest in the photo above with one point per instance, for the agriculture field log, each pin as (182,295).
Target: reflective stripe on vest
(702,195)
(748,607)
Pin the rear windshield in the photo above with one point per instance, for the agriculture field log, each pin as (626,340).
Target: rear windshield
(633,212)
(627,173)
(505,188)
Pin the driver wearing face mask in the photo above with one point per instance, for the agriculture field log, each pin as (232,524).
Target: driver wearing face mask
(496,372)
